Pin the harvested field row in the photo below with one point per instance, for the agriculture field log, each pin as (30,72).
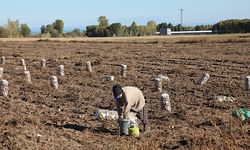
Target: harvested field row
(35,116)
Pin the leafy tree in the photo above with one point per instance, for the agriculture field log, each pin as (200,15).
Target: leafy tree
(151,27)
(3,32)
(162,25)
(197,28)
(55,29)
(133,29)
(91,31)
(102,32)
(247,26)
(13,29)
(177,27)
(75,33)
(43,29)
(49,28)
(170,26)
(55,33)
(46,35)
(186,28)
(232,26)
(103,22)
(126,31)
(59,25)
(25,30)
(142,30)
(115,29)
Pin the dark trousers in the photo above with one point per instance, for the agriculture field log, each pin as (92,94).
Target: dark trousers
(143,116)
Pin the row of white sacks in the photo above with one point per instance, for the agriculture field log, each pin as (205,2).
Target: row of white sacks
(104,114)
(201,81)
(53,79)
(157,81)
(60,70)
(165,103)
(164,99)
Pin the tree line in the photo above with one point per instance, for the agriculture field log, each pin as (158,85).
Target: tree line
(232,26)
(117,29)
(56,30)
(13,29)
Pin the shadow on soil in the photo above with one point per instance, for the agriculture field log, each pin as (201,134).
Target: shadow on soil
(69,126)
(105,130)
(74,127)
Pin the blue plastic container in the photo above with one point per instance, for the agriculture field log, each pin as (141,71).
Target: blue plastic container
(124,127)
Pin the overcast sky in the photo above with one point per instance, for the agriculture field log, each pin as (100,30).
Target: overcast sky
(80,13)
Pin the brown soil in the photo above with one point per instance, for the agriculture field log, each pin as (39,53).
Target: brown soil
(35,116)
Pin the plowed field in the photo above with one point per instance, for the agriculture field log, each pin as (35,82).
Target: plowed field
(36,116)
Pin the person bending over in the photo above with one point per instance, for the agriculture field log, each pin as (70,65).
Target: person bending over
(130,102)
